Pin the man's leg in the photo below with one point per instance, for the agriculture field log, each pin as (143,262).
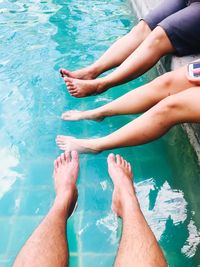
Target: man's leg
(138,246)
(115,55)
(178,108)
(142,59)
(138,100)
(48,244)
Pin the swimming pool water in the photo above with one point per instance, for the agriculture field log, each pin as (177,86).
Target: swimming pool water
(37,38)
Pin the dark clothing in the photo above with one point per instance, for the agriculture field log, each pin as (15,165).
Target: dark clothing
(180,19)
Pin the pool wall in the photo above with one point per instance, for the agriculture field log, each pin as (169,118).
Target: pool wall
(166,64)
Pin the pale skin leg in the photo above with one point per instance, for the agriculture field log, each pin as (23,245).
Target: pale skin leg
(138,100)
(142,59)
(179,108)
(115,55)
(47,246)
(138,246)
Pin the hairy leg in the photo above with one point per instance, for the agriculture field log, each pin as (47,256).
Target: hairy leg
(178,108)
(138,246)
(48,245)
(138,100)
(115,55)
(142,59)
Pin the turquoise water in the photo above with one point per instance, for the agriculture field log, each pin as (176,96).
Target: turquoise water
(37,38)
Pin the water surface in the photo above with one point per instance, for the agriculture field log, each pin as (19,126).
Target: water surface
(37,38)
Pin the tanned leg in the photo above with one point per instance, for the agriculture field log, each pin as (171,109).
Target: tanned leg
(178,108)
(142,59)
(138,246)
(138,100)
(47,246)
(115,55)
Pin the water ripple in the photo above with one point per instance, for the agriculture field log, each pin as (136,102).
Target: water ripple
(169,204)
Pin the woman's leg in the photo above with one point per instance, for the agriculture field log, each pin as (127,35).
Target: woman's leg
(121,49)
(115,55)
(142,59)
(138,100)
(178,108)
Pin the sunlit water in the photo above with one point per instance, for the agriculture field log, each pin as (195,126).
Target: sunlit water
(37,38)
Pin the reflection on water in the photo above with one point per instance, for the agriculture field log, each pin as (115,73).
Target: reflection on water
(9,158)
(110,223)
(169,204)
(193,240)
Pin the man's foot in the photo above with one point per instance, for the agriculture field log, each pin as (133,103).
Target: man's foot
(88,73)
(69,143)
(66,169)
(75,115)
(121,175)
(83,88)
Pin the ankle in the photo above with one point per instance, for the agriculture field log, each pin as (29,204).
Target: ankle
(97,69)
(130,207)
(98,144)
(91,113)
(98,113)
(62,205)
(102,85)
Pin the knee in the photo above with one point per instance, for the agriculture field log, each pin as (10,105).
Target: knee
(158,38)
(142,28)
(158,34)
(167,108)
(162,86)
(164,81)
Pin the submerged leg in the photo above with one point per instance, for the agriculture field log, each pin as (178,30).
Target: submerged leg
(138,100)
(138,246)
(178,108)
(115,55)
(47,246)
(143,58)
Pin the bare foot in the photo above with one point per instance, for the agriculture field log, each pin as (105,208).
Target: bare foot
(75,115)
(83,88)
(87,73)
(69,143)
(66,169)
(121,175)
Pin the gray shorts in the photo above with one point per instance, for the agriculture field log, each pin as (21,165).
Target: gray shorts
(180,19)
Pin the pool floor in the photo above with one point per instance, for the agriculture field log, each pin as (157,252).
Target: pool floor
(37,38)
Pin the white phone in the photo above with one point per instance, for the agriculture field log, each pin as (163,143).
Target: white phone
(192,67)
